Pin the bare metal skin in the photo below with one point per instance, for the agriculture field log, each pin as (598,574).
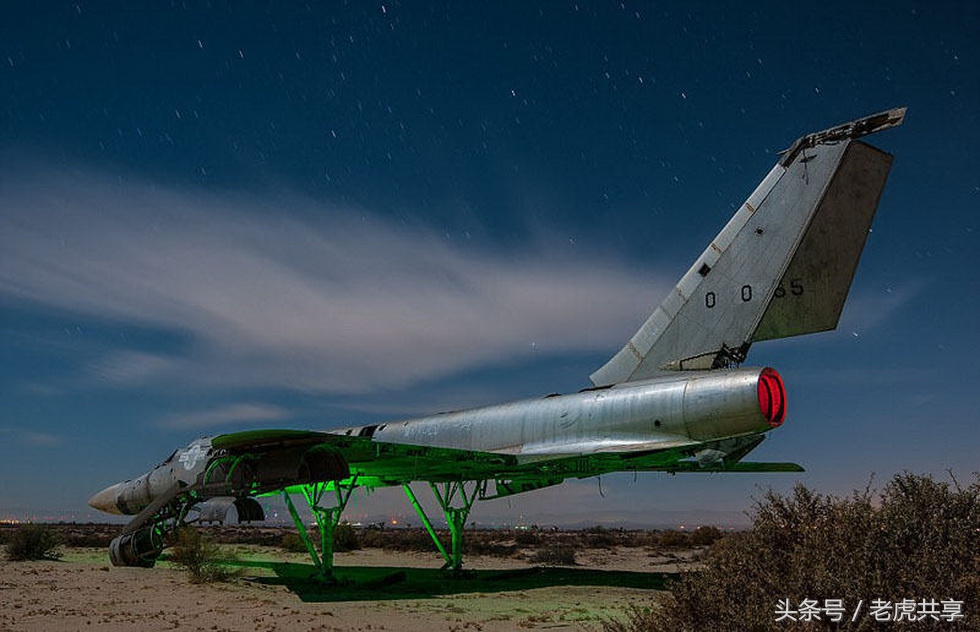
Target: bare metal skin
(673,399)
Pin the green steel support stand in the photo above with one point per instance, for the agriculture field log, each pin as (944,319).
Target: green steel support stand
(456,516)
(303,535)
(327,519)
(426,523)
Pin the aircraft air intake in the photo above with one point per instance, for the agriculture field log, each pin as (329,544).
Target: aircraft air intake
(772,397)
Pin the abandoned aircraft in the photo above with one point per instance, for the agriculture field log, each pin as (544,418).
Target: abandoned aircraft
(675,398)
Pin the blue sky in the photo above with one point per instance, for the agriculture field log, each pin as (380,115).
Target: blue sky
(235,216)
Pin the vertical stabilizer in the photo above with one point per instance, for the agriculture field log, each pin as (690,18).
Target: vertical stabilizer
(828,255)
(782,266)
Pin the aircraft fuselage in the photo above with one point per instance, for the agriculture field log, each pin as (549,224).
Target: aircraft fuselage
(680,409)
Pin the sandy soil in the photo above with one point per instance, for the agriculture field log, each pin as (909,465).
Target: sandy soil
(379,590)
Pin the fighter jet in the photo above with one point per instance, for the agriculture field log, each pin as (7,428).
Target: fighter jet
(675,398)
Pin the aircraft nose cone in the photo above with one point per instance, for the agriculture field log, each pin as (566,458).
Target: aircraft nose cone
(106,500)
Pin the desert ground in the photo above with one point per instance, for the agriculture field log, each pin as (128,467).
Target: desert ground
(377,589)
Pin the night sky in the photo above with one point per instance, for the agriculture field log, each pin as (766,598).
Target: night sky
(225,216)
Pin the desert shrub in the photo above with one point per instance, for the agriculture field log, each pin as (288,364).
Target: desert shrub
(599,537)
(345,538)
(920,540)
(198,554)
(486,546)
(33,542)
(420,540)
(555,555)
(292,543)
(638,619)
(375,538)
(245,534)
(527,537)
(705,536)
(636,539)
(411,540)
(672,539)
(415,539)
(86,538)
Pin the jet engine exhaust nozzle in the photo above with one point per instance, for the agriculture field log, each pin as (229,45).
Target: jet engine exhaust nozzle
(772,397)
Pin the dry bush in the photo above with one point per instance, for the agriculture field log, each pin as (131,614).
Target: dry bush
(198,554)
(375,538)
(555,555)
(672,539)
(705,536)
(475,542)
(416,540)
(413,539)
(600,537)
(489,547)
(33,542)
(638,619)
(920,540)
(345,538)
(637,539)
(292,543)
(246,534)
(84,536)
(527,537)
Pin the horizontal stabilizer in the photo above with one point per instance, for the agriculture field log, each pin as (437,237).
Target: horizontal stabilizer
(741,466)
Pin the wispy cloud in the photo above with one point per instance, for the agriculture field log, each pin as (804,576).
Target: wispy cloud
(292,293)
(240,413)
(32,437)
(864,312)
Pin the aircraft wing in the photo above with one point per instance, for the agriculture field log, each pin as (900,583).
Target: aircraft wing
(782,266)
(267,439)
(374,463)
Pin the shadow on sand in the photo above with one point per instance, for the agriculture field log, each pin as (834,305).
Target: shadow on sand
(368,583)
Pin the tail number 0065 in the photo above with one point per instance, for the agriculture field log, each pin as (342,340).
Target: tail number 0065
(795,288)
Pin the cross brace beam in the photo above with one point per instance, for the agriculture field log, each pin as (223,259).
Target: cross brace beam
(449,496)
(327,519)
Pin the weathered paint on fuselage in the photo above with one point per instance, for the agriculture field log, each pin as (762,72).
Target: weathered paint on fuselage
(676,410)
(781,267)
(183,467)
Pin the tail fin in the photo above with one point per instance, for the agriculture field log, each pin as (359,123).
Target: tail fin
(781,267)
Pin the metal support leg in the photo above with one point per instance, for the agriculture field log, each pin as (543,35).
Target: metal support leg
(455,516)
(427,523)
(457,519)
(327,519)
(303,535)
